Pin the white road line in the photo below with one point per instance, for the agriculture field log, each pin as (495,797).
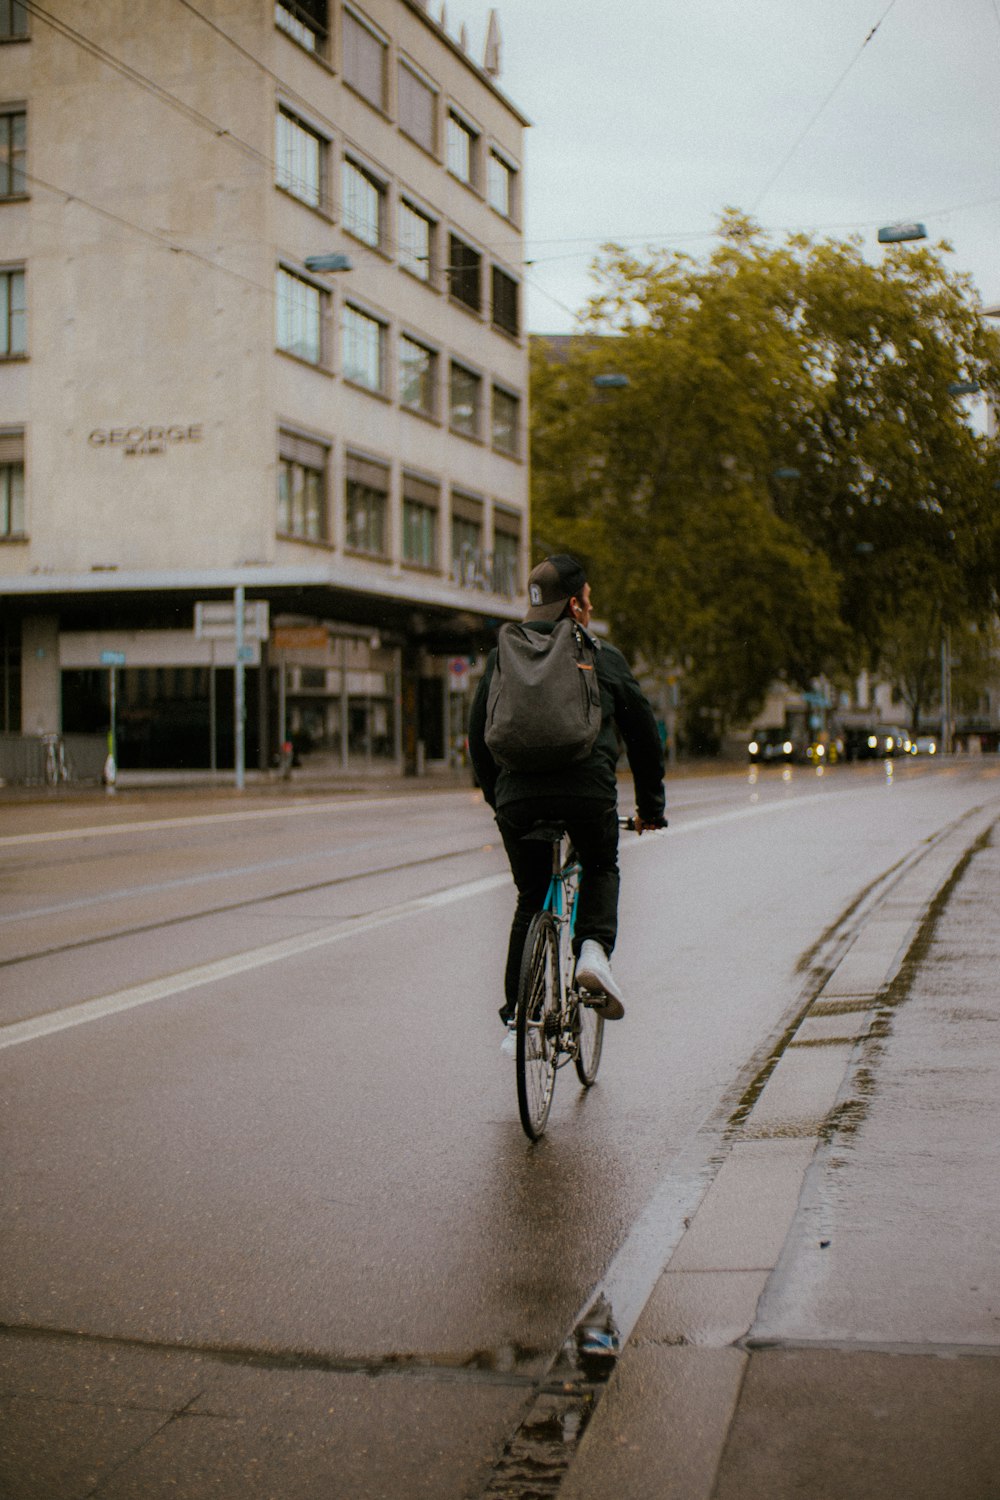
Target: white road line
(256,958)
(195,820)
(239,963)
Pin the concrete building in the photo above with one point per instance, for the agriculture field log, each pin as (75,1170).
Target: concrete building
(260,274)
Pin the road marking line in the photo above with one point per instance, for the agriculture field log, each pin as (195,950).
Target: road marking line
(256,958)
(194,820)
(239,963)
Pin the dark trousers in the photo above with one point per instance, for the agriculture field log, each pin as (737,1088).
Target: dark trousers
(593,829)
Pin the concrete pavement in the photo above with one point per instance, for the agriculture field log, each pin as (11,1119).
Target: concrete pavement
(828,1326)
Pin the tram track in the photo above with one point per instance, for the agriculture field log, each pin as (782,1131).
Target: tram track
(227,907)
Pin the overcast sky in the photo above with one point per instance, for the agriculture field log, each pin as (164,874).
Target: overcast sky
(650,116)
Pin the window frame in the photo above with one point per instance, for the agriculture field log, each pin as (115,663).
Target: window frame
(474,430)
(420,79)
(11,315)
(302,28)
(288,182)
(424,270)
(360,475)
(507,209)
(308,456)
(324,304)
(429,376)
(349,312)
(462,148)
(514,450)
(424,496)
(12,492)
(9,9)
(464,260)
(351,17)
(357,226)
(505,318)
(13,158)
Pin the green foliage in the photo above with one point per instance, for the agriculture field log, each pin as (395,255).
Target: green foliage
(706,554)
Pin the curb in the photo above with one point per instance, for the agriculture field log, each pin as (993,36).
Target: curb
(660,1424)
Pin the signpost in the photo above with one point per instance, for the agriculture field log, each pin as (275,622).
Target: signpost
(112,660)
(243,624)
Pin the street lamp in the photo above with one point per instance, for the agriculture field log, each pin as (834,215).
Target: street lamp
(329,263)
(894,234)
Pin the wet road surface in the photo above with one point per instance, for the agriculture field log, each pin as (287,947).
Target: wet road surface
(274,1132)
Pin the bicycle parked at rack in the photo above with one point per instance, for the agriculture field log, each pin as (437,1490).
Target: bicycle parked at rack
(555,1020)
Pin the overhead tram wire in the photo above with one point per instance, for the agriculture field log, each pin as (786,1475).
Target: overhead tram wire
(769,184)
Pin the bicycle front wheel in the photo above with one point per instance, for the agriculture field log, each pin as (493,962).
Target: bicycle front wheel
(590,1040)
(538,1003)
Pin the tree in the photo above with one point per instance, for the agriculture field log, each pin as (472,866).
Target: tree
(786,464)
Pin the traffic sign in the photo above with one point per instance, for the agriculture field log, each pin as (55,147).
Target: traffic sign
(215,620)
(112,658)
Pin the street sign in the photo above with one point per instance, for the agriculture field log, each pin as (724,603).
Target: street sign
(895,234)
(112,658)
(215,620)
(458,673)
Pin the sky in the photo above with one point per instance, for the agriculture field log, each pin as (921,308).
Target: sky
(649,117)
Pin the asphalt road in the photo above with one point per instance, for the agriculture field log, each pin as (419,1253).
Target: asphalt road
(253,1104)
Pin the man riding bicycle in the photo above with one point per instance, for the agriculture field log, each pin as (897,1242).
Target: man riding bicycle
(582,796)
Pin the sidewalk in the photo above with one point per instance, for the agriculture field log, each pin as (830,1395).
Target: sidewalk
(828,1326)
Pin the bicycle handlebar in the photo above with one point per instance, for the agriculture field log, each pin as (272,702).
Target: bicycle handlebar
(629,822)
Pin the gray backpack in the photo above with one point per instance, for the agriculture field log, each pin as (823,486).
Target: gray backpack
(543,709)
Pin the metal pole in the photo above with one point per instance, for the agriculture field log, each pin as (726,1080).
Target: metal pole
(945,691)
(113,735)
(213,756)
(239,711)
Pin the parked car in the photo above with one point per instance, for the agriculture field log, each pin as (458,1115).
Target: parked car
(924,744)
(771,744)
(891,740)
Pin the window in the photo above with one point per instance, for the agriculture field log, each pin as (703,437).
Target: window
(416,241)
(500,179)
(10,676)
(417,376)
(506,552)
(11,482)
(13,147)
(13,314)
(505,299)
(461,144)
(417,108)
(302,310)
(506,422)
(302,470)
(420,522)
(13,21)
(466,539)
(364,349)
(463,273)
(367,496)
(364,60)
(464,398)
(364,204)
(305,21)
(300,158)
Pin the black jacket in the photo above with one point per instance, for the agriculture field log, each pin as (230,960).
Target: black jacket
(625,711)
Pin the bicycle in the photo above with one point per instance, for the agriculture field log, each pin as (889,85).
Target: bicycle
(555,1022)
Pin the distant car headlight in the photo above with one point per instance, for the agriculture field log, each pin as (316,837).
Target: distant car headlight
(753,747)
(888,742)
(872,741)
(932,749)
(787,747)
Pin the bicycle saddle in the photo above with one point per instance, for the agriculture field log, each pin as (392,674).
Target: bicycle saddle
(546,833)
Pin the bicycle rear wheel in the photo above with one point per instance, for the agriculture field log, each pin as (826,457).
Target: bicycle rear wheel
(537,1025)
(590,1040)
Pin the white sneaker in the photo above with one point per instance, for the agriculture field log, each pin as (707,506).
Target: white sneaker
(593,973)
(509,1044)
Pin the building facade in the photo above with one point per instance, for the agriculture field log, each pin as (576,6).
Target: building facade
(261,273)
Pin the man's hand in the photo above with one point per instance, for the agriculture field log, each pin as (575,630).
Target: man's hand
(641,826)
